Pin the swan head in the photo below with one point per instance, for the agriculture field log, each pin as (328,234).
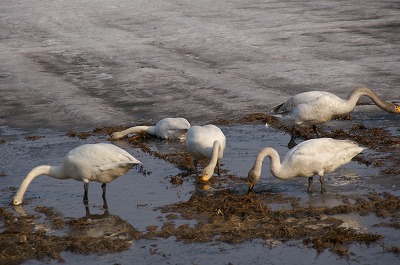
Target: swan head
(252,179)
(392,108)
(205,177)
(114,136)
(16,201)
(207,173)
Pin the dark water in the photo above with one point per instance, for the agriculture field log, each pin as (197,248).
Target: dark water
(133,198)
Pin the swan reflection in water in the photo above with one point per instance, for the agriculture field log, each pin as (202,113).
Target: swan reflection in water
(102,225)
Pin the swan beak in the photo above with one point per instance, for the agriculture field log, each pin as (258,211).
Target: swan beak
(16,202)
(251,186)
(398,109)
(204,178)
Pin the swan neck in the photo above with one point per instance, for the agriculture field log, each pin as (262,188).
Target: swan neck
(150,130)
(275,164)
(216,154)
(135,129)
(364,91)
(35,172)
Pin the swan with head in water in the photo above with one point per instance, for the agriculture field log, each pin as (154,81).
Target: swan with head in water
(315,156)
(167,128)
(206,142)
(315,107)
(100,162)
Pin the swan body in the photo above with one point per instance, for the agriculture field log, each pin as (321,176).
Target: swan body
(309,109)
(206,142)
(100,162)
(167,128)
(315,156)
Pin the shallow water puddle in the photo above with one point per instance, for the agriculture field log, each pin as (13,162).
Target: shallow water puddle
(136,201)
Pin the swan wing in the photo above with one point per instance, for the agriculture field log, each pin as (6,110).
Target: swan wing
(89,160)
(200,140)
(111,153)
(321,155)
(307,98)
(198,143)
(343,156)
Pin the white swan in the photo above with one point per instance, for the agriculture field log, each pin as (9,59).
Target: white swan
(89,162)
(167,128)
(206,142)
(315,107)
(315,156)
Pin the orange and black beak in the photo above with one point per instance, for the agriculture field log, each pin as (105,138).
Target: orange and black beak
(204,178)
(251,186)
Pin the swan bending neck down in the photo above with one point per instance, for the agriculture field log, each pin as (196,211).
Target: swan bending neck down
(89,162)
(316,156)
(216,156)
(206,142)
(167,128)
(355,95)
(136,129)
(53,171)
(311,108)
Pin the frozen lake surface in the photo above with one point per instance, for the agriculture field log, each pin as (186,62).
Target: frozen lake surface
(100,62)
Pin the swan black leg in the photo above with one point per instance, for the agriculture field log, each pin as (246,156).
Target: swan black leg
(310,179)
(292,143)
(103,187)
(195,166)
(321,179)
(316,131)
(218,168)
(85,194)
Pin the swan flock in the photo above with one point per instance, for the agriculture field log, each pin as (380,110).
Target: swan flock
(104,162)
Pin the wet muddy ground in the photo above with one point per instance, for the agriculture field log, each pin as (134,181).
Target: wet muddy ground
(159,210)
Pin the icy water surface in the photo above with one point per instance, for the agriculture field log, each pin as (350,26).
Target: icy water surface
(134,198)
(100,62)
